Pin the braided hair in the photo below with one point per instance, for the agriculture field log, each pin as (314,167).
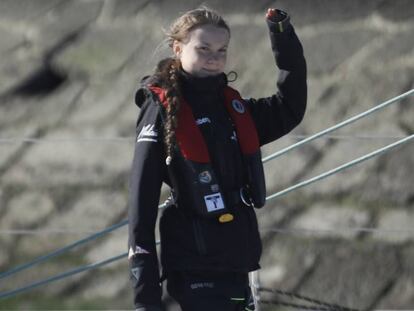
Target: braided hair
(167,69)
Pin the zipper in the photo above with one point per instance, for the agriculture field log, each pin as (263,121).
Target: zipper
(198,234)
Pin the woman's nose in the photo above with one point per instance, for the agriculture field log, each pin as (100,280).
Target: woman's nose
(214,57)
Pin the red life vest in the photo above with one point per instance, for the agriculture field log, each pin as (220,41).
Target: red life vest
(194,173)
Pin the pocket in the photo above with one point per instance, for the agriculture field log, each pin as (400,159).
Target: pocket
(219,238)
(226,244)
(176,231)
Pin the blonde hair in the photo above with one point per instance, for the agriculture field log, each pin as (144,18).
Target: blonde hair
(190,20)
(168,68)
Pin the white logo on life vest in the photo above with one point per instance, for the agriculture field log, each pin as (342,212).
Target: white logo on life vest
(238,106)
(214,202)
(148,133)
(138,250)
(205,177)
(203,121)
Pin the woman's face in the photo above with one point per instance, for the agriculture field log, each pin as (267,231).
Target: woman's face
(204,52)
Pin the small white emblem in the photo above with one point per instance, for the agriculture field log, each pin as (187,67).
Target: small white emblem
(203,121)
(148,133)
(238,106)
(214,202)
(138,250)
(205,177)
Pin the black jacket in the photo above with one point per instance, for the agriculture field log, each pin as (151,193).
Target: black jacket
(190,242)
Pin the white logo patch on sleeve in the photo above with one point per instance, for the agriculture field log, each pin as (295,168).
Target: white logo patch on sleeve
(203,121)
(148,133)
(138,250)
(214,202)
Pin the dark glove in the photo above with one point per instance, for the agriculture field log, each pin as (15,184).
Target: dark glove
(277,20)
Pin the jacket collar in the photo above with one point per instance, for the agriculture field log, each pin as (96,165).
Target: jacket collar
(204,84)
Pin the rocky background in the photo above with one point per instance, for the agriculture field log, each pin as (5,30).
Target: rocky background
(68,71)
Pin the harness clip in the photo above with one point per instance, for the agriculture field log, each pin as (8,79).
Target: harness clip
(245,197)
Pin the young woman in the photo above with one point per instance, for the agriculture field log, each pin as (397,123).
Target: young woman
(197,134)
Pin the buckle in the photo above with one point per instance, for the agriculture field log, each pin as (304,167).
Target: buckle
(249,201)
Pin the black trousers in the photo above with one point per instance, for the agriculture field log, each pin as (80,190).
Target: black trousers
(207,291)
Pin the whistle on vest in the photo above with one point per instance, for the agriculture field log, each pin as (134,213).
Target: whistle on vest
(226,218)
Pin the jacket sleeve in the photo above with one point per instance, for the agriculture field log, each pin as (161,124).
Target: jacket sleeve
(278,114)
(146,178)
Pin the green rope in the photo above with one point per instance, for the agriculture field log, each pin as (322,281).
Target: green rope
(65,249)
(64,275)
(340,168)
(339,125)
(61,250)
(61,276)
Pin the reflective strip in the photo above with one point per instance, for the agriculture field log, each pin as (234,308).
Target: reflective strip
(238,299)
(147,139)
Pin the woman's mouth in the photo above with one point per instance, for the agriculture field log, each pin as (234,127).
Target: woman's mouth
(211,71)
